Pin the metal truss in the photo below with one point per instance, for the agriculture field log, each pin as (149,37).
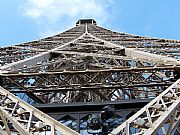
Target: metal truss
(160,116)
(21,54)
(89,64)
(89,85)
(26,119)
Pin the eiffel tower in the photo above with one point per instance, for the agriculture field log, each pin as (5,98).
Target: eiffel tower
(53,85)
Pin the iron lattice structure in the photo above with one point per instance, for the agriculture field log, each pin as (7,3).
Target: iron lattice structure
(87,67)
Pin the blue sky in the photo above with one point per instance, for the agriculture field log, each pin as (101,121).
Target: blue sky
(26,20)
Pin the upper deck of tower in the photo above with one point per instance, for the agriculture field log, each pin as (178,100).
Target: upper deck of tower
(86,21)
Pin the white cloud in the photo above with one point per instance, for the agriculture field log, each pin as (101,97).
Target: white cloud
(57,15)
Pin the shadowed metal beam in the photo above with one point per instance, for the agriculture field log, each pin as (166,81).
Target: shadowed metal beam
(93,106)
(91,71)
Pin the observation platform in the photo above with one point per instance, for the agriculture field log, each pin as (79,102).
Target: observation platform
(86,21)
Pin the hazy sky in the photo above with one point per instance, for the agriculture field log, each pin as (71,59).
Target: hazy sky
(26,20)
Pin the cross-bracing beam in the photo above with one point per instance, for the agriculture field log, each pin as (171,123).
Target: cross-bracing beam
(157,50)
(144,56)
(35,47)
(161,115)
(67,86)
(27,120)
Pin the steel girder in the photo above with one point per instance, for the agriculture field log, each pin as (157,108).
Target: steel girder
(25,119)
(90,85)
(160,116)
